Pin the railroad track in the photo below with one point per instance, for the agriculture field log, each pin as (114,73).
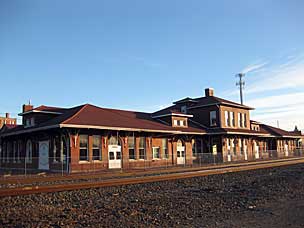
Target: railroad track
(182,174)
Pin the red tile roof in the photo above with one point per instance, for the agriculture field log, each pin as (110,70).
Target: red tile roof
(276,131)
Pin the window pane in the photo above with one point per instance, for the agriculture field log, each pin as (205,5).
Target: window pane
(96,141)
(131,153)
(83,141)
(142,154)
(118,155)
(83,155)
(111,156)
(156,153)
(142,142)
(131,142)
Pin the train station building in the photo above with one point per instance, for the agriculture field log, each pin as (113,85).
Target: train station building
(190,132)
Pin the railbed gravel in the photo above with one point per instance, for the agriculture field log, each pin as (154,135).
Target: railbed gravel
(246,199)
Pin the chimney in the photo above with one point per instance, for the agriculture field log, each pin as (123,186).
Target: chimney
(209,92)
(7,115)
(26,108)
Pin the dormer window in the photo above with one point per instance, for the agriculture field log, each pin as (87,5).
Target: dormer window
(184,109)
(213,119)
(179,123)
(32,121)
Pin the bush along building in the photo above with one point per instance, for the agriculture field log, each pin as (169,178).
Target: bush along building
(191,131)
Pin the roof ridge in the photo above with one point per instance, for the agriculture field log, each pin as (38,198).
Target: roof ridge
(73,116)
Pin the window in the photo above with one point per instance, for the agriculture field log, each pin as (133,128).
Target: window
(29,151)
(96,148)
(181,123)
(32,122)
(175,123)
(83,147)
(142,148)
(165,148)
(114,141)
(227,119)
(241,147)
(111,156)
(232,121)
(233,147)
(131,146)
(245,120)
(213,118)
(184,109)
(240,122)
(156,152)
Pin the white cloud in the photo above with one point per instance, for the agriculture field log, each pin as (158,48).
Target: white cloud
(254,67)
(277,93)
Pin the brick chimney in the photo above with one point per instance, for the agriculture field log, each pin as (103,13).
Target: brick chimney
(209,92)
(26,108)
(7,115)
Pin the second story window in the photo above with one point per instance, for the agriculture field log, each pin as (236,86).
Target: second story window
(232,120)
(83,148)
(213,118)
(227,119)
(245,120)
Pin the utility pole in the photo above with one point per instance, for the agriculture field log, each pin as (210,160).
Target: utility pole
(241,85)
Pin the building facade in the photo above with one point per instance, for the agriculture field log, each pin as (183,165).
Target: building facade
(191,131)
(7,120)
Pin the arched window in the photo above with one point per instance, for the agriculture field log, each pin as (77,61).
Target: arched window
(29,151)
(179,143)
(114,140)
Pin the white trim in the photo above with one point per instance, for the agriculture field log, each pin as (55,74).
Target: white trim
(172,114)
(39,111)
(125,129)
(223,103)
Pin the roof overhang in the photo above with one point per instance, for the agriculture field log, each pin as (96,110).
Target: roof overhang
(39,111)
(172,114)
(222,103)
(127,129)
(24,131)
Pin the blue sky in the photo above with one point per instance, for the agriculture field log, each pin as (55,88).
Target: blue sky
(142,55)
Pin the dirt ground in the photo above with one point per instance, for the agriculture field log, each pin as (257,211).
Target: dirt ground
(271,198)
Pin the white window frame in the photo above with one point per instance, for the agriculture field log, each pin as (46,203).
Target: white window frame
(227,122)
(82,148)
(213,116)
(232,120)
(95,148)
(153,150)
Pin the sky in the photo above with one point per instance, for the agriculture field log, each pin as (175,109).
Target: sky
(143,55)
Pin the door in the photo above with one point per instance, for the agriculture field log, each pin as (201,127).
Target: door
(181,155)
(286,150)
(245,152)
(44,155)
(229,158)
(114,157)
(256,149)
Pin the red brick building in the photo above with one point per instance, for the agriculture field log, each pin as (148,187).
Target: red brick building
(191,131)
(7,120)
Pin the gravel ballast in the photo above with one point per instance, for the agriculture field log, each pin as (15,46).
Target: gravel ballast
(260,198)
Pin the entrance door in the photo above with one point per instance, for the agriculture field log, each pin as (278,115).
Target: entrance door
(114,157)
(286,150)
(44,155)
(245,152)
(229,157)
(256,149)
(181,155)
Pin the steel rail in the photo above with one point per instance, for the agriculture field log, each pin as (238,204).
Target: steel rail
(141,180)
